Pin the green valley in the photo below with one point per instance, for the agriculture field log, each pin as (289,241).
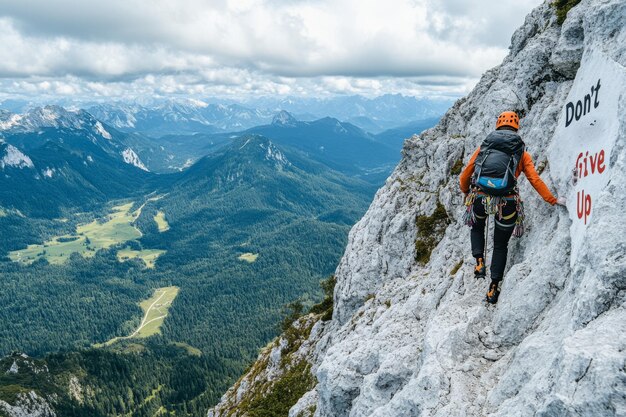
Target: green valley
(241,233)
(116,228)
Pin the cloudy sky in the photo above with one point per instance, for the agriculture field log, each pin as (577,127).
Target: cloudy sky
(240,48)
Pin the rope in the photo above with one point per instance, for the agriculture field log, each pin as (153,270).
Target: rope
(486,249)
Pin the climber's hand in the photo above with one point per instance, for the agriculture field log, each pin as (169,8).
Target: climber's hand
(561,201)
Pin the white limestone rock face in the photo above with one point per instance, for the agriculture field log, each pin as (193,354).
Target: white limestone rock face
(14,368)
(131,157)
(417,339)
(438,350)
(27,405)
(75,390)
(13,157)
(102,131)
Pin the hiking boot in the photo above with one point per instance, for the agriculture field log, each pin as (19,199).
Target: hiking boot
(480,270)
(494,292)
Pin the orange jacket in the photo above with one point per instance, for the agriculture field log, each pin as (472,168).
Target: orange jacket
(526,166)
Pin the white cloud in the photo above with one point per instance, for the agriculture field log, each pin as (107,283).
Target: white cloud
(231,47)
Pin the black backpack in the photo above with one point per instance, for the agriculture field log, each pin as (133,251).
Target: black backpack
(498,158)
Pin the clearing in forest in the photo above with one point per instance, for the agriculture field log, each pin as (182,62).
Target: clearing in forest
(248,257)
(190,349)
(148,256)
(116,228)
(155,311)
(162,224)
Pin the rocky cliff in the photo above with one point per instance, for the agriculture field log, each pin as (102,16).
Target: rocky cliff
(410,333)
(17,401)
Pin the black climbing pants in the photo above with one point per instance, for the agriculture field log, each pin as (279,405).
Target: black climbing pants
(502,233)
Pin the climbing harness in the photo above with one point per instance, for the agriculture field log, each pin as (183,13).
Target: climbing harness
(493,206)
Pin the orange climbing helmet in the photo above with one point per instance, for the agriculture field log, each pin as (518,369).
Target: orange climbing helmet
(508,118)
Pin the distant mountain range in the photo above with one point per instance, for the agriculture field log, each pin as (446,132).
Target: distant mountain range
(340,145)
(371,114)
(395,137)
(187,116)
(53,160)
(179,117)
(66,155)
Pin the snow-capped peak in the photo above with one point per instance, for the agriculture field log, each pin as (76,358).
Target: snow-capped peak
(131,157)
(13,157)
(8,120)
(50,114)
(42,117)
(197,103)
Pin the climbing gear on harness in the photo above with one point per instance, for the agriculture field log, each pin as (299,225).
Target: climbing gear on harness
(480,269)
(496,163)
(508,118)
(469,218)
(493,206)
(519,230)
(494,292)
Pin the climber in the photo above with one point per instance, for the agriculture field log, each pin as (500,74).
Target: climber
(492,172)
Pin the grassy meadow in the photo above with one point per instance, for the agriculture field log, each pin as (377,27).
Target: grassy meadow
(116,228)
(148,256)
(248,257)
(155,310)
(162,224)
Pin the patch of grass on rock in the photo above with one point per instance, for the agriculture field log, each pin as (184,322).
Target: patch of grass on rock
(561,8)
(430,230)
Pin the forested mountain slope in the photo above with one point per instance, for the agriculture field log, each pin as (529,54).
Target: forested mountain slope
(53,160)
(240,234)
